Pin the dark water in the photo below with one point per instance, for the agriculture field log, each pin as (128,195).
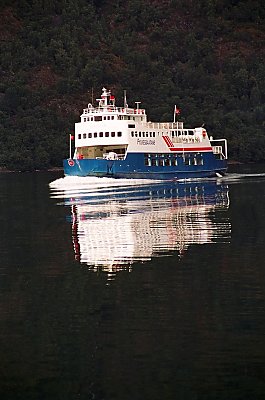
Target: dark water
(125,290)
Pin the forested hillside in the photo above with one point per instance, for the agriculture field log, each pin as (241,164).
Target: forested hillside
(205,56)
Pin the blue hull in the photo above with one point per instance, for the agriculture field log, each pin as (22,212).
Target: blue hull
(134,167)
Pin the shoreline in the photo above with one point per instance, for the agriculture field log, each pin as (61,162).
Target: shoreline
(8,171)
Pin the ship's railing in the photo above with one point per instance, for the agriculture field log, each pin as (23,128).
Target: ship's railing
(164,125)
(186,139)
(217,149)
(219,146)
(113,109)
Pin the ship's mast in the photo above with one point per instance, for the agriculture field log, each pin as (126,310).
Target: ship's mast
(106,99)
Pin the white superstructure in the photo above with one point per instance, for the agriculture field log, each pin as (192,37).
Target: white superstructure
(109,129)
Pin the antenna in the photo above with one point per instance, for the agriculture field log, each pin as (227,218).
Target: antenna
(125,99)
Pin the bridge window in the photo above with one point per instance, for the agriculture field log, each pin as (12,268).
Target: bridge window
(112,134)
(119,134)
(100,134)
(95,134)
(106,134)
(84,135)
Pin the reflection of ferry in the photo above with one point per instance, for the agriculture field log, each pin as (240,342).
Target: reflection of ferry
(136,224)
(119,142)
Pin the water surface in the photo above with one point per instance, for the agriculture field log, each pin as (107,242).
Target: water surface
(132,289)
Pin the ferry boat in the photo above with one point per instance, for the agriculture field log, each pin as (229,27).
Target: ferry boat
(120,142)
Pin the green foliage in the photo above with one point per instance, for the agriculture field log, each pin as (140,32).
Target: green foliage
(207,57)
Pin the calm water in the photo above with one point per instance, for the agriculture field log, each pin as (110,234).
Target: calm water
(132,290)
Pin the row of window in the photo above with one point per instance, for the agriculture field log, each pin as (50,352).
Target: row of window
(99,118)
(99,134)
(167,160)
(152,134)
(143,134)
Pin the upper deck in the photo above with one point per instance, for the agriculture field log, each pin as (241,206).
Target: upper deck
(112,109)
(106,104)
(107,111)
